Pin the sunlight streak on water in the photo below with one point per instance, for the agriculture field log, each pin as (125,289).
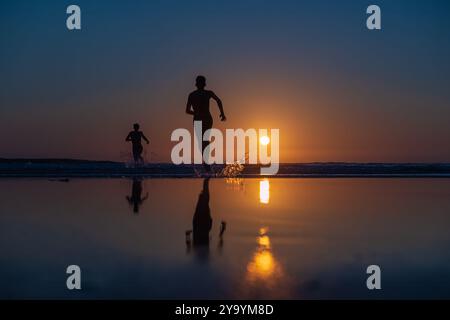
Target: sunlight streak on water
(264,191)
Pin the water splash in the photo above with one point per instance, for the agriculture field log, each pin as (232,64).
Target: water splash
(232,170)
(127,158)
(235,169)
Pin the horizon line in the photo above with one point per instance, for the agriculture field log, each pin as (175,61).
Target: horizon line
(50,159)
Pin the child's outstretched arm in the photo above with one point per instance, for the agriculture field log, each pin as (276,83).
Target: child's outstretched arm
(145,138)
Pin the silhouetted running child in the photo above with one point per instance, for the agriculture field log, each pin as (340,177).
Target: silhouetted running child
(136,137)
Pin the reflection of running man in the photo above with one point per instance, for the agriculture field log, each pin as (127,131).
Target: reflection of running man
(202,222)
(198,106)
(135,137)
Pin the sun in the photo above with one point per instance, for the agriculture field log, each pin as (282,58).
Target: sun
(264,140)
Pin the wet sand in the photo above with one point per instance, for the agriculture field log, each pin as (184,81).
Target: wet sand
(285,238)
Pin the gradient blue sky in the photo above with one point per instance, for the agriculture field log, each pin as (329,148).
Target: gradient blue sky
(337,91)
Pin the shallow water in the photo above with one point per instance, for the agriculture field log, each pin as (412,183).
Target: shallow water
(285,238)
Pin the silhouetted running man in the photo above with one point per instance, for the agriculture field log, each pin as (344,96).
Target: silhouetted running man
(136,137)
(202,221)
(198,106)
(136,195)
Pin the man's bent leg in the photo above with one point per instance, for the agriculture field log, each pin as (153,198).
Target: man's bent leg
(206,125)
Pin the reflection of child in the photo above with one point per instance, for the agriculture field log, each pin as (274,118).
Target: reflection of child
(135,137)
(136,199)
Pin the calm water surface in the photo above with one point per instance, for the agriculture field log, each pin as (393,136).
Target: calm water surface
(284,238)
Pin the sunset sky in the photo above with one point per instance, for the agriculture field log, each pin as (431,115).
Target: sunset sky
(336,91)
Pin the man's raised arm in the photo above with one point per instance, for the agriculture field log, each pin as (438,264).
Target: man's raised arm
(219,104)
(188,106)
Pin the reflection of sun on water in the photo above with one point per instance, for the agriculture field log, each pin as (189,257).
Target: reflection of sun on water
(263,266)
(264,192)
(263,263)
(264,276)
(264,241)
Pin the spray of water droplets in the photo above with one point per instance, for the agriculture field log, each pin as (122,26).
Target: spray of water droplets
(232,170)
